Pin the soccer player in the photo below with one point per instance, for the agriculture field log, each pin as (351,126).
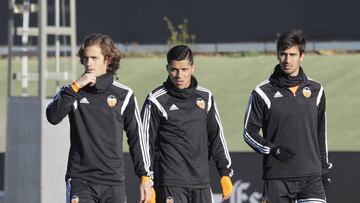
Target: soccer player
(183,125)
(99,109)
(289,107)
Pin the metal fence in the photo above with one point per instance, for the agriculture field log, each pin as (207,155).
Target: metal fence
(209,48)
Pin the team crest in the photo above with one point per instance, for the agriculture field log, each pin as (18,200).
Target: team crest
(111,100)
(200,103)
(306,92)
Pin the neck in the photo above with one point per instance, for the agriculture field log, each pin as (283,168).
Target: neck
(295,73)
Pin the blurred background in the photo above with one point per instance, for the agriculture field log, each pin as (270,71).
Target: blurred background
(234,45)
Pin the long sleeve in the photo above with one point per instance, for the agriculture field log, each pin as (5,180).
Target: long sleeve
(322,131)
(61,105)
(151,121)
(253,122)
(138,142)
(217,142)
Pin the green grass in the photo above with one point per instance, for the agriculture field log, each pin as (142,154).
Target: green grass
(231,79)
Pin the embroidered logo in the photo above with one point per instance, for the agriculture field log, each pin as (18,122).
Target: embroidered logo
(277,151)
(84,101)
(306,92)
(173,108)
(200,103)
(278,95)
(111,100)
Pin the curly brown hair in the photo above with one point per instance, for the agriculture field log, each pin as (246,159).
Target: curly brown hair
(108,49)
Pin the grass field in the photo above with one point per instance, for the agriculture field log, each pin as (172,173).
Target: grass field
(231,80)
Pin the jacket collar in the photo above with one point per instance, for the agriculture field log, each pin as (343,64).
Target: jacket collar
(281,79)
(103,82)
(181,93)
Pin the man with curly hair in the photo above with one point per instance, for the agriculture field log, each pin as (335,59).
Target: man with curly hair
(99,109)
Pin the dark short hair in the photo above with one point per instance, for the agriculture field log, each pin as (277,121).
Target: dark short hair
(179,53)
(108,49)
(290,39)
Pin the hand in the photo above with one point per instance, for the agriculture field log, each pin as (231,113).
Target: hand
(75,199)
(264,200)
(226,187)
(282,154)
(146,191)
(86,78)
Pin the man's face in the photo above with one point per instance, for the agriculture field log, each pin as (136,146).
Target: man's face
(180,73)
(94,61)
(289,60)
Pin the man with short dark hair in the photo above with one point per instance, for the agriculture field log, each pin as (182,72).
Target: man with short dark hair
(99,109)
(183,125)
(289,107)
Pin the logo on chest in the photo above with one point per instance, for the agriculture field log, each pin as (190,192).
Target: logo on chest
(84,101)
(278,95)
(173,107)
(306,92)
(111,100)
(200,103)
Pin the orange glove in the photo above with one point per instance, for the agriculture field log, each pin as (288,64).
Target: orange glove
(153,196)
(147,192)
(145,179)
(226,186)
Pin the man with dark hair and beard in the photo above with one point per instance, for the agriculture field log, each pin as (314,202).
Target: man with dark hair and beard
(289,107)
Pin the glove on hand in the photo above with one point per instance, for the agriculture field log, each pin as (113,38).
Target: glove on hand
(147,192)
(226,186)
(282,154)
(153,196)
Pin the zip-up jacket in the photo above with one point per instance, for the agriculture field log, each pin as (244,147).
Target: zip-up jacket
(98,116)
(296,121)
(184,129)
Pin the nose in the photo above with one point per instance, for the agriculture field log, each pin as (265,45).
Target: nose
(179,73)
(88,61)
(286,57)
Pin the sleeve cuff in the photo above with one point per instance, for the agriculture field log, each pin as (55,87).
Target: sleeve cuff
(75,86)
(146,179)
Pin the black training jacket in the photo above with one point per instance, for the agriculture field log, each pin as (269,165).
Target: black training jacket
(184,129)
(296,122)
(98,115)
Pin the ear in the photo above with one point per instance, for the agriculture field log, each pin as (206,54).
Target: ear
(192,68)
(302,56)
(107,61)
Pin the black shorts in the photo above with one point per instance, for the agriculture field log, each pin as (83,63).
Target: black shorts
(171,194)
(309,190)
(90,192)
